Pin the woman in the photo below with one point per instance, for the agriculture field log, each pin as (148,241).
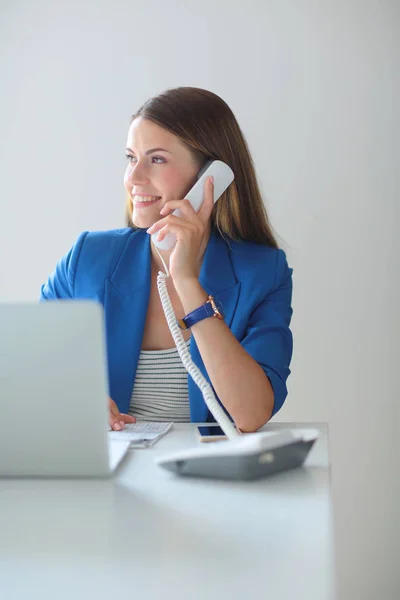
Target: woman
(226,250)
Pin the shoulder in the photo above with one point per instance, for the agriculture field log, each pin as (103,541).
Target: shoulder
(260,265)
(96,254)
(106,239)
(105,246)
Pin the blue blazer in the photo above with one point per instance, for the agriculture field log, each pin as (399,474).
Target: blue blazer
(253,283)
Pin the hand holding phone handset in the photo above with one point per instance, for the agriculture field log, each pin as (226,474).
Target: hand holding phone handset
(223,177)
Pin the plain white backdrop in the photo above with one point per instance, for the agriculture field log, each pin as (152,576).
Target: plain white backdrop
(313,86)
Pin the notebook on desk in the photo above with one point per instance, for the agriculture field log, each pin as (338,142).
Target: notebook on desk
(54,392)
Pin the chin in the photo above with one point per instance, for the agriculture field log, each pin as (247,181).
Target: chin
(142,223)
(143,218)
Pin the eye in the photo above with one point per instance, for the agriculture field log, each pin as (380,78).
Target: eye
(157,160)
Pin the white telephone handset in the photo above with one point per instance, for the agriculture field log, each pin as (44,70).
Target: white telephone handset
(223,177)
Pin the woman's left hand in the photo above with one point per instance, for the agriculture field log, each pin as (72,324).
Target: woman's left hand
(189,230)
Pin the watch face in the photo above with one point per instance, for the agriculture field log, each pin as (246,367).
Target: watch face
(217,313)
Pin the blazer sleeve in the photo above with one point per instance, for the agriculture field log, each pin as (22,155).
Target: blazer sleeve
(61,283)
(268,337)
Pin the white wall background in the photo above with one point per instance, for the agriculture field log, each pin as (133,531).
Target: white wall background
(312,85)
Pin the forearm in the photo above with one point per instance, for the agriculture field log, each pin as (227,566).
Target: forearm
(239,381)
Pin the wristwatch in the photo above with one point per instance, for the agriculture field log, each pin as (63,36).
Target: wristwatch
(209,309)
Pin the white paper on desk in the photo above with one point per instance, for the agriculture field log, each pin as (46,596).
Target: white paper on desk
(142,434)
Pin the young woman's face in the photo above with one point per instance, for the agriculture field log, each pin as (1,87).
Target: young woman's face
(160,168)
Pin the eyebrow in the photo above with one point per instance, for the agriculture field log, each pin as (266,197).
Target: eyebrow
(150,151)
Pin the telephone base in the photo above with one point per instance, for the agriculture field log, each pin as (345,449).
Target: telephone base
(252,456)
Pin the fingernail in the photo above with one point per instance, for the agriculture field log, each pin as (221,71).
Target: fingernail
(149,229)
(122,424)
(212,179)
(117,426)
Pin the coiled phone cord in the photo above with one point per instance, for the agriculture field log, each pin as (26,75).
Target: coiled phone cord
(205,388)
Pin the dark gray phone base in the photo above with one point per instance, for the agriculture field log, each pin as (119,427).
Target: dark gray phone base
(244,467)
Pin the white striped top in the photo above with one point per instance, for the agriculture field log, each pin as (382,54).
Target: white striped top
(160,391)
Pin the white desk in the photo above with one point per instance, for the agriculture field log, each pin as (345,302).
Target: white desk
(147,534)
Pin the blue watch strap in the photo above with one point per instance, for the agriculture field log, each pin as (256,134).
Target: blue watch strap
(203,312)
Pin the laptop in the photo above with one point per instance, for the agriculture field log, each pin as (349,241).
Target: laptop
(54,392)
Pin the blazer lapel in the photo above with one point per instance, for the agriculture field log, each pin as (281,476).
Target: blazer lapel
(126,299)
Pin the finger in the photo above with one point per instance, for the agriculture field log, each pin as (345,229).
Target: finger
(128,418)
(115,419)
(181,231)
(117,425)
(170,220)
(184,206)
(162,222)
(207,207)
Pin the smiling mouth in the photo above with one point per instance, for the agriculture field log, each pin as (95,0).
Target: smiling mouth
(145,199)
(142,202)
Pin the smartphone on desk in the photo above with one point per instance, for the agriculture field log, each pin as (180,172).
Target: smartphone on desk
(210,433)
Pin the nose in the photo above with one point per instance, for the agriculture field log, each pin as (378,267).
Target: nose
(137,174)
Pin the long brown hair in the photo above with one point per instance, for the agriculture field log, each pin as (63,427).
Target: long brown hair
(206,124)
